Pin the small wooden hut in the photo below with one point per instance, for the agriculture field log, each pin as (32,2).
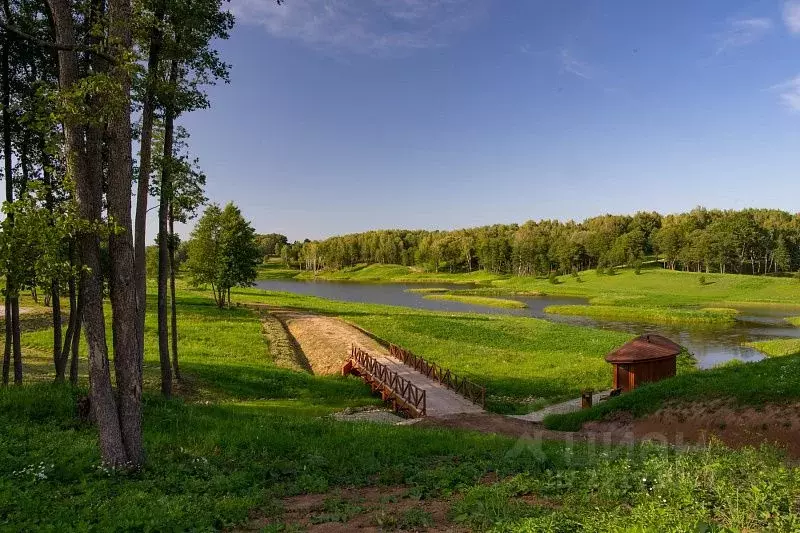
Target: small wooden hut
(645,359)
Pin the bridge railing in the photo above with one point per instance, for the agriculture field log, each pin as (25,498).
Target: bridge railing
(469,389)
(394,387)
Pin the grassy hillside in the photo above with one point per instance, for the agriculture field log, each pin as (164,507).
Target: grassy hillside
(651,287)
(246,433)
(745,384)
(487,301)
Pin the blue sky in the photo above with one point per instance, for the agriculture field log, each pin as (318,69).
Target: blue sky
(348,115)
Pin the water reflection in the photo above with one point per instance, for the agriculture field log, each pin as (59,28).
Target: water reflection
(710,345)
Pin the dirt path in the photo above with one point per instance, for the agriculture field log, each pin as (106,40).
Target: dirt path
(569,406)
(326,343)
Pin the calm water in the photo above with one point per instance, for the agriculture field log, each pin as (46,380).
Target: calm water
(711,346)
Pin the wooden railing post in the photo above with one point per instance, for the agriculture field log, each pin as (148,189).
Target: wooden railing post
(473,392)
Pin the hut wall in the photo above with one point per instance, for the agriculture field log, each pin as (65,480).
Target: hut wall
(650,371)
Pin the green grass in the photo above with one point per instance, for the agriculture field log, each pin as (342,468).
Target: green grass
(479,300)
(776,347)
(794,320)
(248,432)
(651,287)
(396,274)
(525,363)
(745,384)
(656,315)
(428,290)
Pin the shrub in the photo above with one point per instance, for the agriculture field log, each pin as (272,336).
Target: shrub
(610,271)
(553,278)
(637,267)
(702,280)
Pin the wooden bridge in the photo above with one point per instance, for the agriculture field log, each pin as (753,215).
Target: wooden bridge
(471,391)
(415,386)
(404,395)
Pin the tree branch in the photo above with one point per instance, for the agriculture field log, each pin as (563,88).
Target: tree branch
(53,45)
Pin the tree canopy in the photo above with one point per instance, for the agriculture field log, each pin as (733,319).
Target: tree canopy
(223,251)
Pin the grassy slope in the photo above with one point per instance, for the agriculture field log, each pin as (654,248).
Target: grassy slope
(257,432)
(652,287)
(479,300)
(655,315)
(523,362)
(777,347)
(750,384)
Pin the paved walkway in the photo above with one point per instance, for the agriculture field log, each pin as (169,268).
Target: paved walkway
(326,343)
(560,408)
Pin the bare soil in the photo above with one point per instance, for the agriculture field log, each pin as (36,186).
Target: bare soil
(697,423)
(325,343)
(367,509)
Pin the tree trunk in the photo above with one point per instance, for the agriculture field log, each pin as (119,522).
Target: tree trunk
(173,303)
(65,349)
(145,167)
(164,236)
(76,337)
(12,298)
(89,188)
(7,350)
(125,315)
(59,359)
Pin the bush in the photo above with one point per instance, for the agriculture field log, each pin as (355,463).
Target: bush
(553,278)
(637,267)
(702,280)
(610,271)
(600,270)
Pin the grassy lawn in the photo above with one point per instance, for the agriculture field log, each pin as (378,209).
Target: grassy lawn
(248,433)
(655,315)
(503,303)
(777,347)
(651,287)
(523,362)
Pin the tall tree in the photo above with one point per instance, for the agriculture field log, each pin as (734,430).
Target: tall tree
(223,252)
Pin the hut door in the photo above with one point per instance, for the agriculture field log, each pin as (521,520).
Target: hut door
(624,378)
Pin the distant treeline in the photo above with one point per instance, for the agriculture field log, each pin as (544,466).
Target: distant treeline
(751,241)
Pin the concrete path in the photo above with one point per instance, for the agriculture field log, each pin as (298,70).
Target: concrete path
(326,343)
(560,408)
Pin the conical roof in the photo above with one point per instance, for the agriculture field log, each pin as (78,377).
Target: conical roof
(649,347)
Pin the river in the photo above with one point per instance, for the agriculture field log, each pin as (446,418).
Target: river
(710,345)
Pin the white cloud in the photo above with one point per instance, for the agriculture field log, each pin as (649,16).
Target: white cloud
(572,65)
(741,32)
(363,26)
(791,15)
(790,93)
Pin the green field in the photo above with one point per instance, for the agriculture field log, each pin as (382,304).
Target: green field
(246,433)
(479,300)
(656,315)
(654,295)
(652,286)
(524,363)
(777,347)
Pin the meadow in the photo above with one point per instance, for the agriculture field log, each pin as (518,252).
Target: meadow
(652,286)
(524,363)
(487,301)
(245,433)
